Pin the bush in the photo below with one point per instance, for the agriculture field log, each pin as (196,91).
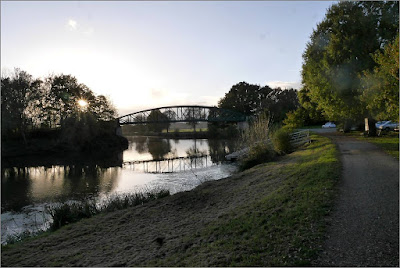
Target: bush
(295,119)
(281,141)
(259,153)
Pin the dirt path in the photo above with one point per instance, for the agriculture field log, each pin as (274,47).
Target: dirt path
(364,229)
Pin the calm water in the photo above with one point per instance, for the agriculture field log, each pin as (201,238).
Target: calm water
(148,163)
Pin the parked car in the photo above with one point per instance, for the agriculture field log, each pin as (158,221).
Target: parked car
(329,125)
(388,125)
(377,124)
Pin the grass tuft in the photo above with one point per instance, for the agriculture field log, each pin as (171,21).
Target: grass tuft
(73,211)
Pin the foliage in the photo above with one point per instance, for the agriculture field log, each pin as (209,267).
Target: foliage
(339,52)
(222,131)
(258,131)
(70,212)
(29,103)
(381,86)
(157,116)
(281,141)
(252,99)
(259,153)
(296,119)
(244,98)
(19,98)
(256,139)
(193,113)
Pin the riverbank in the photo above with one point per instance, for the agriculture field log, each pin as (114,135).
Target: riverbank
(47,148)
(270,215)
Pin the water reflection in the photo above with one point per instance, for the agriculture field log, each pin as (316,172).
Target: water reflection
(184,164)
(49,183)
(171,165)
(160,148)
(220,148)
(22,187)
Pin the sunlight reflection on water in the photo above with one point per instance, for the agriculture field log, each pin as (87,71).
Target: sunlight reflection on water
(28,193)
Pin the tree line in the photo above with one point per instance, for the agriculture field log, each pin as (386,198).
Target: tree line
(251,99)
(351,66)
(29,103)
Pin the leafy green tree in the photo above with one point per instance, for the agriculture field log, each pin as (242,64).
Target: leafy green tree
(306,114)
(339,52)
(381,86)
(159,121)
(243,97)
(279,102)
(253,100)
(171,115)
(193,113)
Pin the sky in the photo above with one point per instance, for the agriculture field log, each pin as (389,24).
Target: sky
(147,54)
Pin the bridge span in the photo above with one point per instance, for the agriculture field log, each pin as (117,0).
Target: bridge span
(186,113)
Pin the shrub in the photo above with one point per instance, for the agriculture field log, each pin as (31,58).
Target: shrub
(295,119)
(259,153)
(281,141)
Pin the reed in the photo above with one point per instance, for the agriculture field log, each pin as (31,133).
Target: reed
(73,211)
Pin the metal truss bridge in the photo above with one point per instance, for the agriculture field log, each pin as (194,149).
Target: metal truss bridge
(189,113)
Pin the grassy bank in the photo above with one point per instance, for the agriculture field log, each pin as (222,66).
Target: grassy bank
(284,227)
(270,215)
(389,142)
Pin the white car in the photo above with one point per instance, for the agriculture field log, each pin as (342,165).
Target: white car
(329,125)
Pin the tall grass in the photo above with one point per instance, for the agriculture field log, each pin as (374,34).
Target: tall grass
(257,139)
(73,211)
(258,132)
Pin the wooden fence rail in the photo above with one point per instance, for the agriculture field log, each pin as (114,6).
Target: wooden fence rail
(296,139)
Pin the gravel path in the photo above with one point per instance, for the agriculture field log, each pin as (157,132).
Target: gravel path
(364,226)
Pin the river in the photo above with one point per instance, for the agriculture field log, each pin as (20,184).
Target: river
(149,163)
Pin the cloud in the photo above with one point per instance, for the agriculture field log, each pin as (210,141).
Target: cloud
(284,85)
(157,93)
(72,25)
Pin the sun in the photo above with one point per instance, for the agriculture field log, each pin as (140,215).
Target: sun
(82,103)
